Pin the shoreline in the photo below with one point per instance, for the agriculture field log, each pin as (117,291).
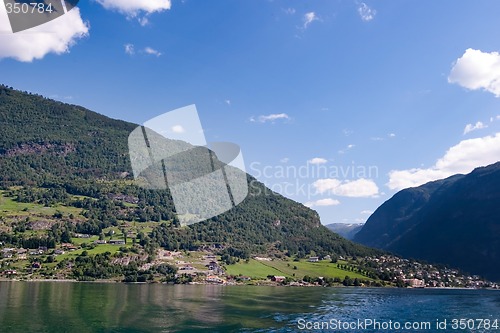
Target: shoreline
(2,280)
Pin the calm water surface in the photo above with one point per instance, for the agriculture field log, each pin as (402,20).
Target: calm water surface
(91,307)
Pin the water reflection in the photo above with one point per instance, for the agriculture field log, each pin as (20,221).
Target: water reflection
(92,307)
(89,307)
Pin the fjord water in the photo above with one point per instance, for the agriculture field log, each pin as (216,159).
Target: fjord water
(94,307)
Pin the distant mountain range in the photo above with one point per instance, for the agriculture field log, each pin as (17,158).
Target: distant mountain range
(454,221)
(346,230)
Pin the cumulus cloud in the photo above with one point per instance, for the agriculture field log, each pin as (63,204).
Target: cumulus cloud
(317,160)
(360,188)
(322,203)
(366,212)
(461,158)
(309,18)
(134,7)
(56,36)
(178,129)
(129,49)
(349,147)
(327,184)
(270,117)
(143,21)
(474,127)
(366,13)
(477,70)
(357,188)
(151,51)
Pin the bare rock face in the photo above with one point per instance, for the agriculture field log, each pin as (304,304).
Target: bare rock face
(58,149)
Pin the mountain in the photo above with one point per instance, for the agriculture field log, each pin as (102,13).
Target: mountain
(453,221)
(346,230)
(71,159)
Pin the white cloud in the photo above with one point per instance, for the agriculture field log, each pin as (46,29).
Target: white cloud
(366,13)
(366,212)
(178,129)
(327,184)
(378,138)
(149,50)
(271,117)
(356,188)
(347,132)
(461,158)
(309,18)
(470,127)
(477,70)
(285,160)
(322,203)
(492,119)
(317,160)
(56,36)
(129,49)
(289,11)
(350,146)
(143,21)
(227,101)
(134,7)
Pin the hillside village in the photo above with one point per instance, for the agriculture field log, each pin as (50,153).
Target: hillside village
(129,262)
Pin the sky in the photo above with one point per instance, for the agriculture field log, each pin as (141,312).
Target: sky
(335,104)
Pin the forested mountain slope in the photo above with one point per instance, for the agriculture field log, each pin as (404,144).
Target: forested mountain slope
(58,154)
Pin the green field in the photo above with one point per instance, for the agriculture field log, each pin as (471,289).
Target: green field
(80,241)
(261,269)
(254,269)
(102,248)
(9,207)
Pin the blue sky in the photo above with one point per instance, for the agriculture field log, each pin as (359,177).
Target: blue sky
(381,94)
